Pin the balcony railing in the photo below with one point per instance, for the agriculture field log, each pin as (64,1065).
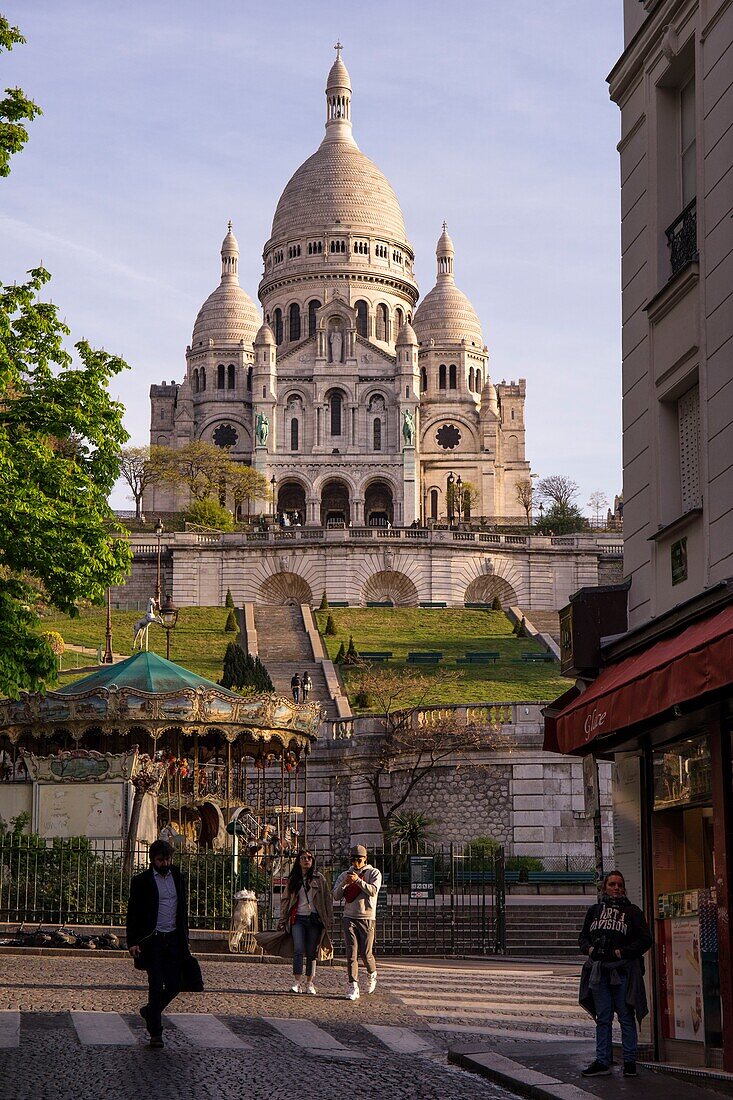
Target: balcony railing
(682,238)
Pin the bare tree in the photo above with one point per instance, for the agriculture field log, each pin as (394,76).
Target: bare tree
(597,502)
(140,470)
(411,743)
(560,490)
(525,496)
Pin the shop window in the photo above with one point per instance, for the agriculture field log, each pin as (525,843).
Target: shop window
(682,774)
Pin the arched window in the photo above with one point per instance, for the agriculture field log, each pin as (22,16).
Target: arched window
(336,403)
(377,434)
(433,503)
(399,319)
(249,378)
(478,380)
(362,319)
(312,307)
(195,381)
(203,378)
(382,322)
(295,321)
(441,376)
(231,373)
(294,434)
(220,377)
(452,376)
(278,322)
(470,378)
(423,380)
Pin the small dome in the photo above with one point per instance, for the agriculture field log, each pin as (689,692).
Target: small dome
(338,77)
(265,335)
(446,315)
(406,335)
(226,317)
(230,242)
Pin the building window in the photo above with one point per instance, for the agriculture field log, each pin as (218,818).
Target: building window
(687,141)
(399,319)
(203,378)
(688,420)
(471,382)
(441,376)
(478,380)
(382,323)
(362,319)
(294,434)
(231,376)
(312,307)
(336,403)
(377,434)
(295,321)
(434,504)
(249,378)
(220,377)
(452,376)
(423,380)
(195,384)
(278,321)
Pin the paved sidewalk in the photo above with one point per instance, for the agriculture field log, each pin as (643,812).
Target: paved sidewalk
(551,1071)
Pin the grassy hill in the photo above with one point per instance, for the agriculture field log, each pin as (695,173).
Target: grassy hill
(452,632)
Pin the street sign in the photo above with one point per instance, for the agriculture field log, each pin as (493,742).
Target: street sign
(422,878)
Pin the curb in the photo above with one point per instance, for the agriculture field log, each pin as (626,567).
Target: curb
(518,1078)
(121,953)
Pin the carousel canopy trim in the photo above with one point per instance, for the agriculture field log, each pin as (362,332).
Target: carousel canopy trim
(143,671)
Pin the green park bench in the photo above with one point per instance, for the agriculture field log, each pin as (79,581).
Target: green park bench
(377,657)
(530,657)
(379,603)
(424,658)
(539,877)
(479,658)
(477,606)
(338,603)
(432,603)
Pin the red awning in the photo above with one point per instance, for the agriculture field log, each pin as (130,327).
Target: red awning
(672,671)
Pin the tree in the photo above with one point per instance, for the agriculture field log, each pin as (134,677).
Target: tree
(330,626)
(210,513)
(470,497)
(559,490)
(597,502)
(230,625)
(411,828)
(199,467)
(60,441)
(242,670)
(323,606)
(352,657)
(229,601)
(525,494)
(563,516)
(405,745)
(245,484)
(139,468)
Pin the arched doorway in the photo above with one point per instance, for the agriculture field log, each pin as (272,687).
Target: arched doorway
(390,586)
(485,589)
(291,501)
(378,505)
(286,588)
(335,506)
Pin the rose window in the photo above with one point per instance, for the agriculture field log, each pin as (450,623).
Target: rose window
(448,437)
(225,436)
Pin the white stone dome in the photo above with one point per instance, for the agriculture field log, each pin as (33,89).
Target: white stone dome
(445,315)
(228,315)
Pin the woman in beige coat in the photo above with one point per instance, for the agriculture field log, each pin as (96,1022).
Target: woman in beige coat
(306,908)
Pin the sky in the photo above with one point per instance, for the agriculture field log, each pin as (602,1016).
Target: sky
(162,119)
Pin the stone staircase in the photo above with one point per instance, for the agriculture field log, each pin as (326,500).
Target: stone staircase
(284,648)
(547,622)
(545,931)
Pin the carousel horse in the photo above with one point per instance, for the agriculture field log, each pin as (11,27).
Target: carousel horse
(141,627)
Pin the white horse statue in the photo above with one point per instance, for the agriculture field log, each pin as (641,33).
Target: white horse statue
(141,627)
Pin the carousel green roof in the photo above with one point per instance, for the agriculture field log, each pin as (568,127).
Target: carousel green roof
(143,671)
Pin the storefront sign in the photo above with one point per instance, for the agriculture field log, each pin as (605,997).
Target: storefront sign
(422,878)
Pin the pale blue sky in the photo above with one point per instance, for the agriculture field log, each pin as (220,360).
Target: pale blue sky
(164,119)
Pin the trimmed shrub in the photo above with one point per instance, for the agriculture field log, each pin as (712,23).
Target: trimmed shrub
(330,625)
(242,670)
(362,698)
(209,513)
(496,604)
(231,624)
(351,655)
(339,658)
(229,602)
(323,605)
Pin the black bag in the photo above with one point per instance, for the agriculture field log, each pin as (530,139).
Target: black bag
(192,980)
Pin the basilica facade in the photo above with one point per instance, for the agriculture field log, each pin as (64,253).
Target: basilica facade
(358,405)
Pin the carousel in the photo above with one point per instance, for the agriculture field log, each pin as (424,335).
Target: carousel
(212,751)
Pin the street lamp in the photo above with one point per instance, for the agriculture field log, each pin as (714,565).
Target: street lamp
(169,615)
(159,529)
(449,495)
(541,510)
(273,483)
(459,491)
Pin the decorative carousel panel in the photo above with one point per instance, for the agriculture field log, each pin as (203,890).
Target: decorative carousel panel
(177,706)
(90,706)
(215,708)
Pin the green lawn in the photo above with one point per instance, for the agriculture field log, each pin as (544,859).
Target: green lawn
(197,642)
(452,632)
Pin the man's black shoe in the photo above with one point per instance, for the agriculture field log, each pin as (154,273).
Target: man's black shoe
(630,1069)
(596,1069)
(156,1042)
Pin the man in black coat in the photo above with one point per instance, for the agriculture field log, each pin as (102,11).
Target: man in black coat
(157,932)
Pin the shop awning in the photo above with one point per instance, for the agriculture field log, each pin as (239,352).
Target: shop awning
(673,671)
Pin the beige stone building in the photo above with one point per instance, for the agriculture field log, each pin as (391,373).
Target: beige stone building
(363,407)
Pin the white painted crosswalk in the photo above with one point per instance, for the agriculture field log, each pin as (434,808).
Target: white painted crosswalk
(206,1031)
(102,1029)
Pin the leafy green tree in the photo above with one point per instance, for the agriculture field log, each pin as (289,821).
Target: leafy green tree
(15,108)
(209,513)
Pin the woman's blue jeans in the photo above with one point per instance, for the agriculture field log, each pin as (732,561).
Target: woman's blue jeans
(306,937)
(612,998)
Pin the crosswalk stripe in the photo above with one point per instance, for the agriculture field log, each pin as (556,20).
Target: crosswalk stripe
(102,1029)
(505,1032)
(504,1014)
(9,1028)
(206,1031)
(475,1004)
(400,1039)
(306,1034)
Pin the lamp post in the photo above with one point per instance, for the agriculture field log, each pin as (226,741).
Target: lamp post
(273,483)
(159,529)
(449,495)
(108,658)
(459,491)
(169,615)
(541,510)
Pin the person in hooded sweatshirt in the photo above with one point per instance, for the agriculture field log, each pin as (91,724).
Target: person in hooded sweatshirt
(615,936)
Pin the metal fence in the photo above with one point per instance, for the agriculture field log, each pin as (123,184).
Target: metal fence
(454,907)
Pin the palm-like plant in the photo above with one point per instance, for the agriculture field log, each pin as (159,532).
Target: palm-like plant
(410,828)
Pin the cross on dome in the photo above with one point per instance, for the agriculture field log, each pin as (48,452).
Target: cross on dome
(338,48)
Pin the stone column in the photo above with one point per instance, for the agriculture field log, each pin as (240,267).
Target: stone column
(410,487)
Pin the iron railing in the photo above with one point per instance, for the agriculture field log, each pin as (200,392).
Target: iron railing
(682,238)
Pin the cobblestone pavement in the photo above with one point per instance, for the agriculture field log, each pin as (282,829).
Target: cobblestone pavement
(240,1045)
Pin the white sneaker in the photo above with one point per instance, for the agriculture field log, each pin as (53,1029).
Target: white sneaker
(296,987)
(371,988)
(353,994)
(310,988)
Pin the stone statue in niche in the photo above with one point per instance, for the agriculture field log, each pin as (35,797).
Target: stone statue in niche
(262,429)
(336,343)
(408,429)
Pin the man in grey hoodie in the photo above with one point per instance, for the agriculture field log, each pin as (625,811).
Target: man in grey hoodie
(359,887)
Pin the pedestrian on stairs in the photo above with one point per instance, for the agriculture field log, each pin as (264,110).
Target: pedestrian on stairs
(307,684)
(359,887)
(295,687)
